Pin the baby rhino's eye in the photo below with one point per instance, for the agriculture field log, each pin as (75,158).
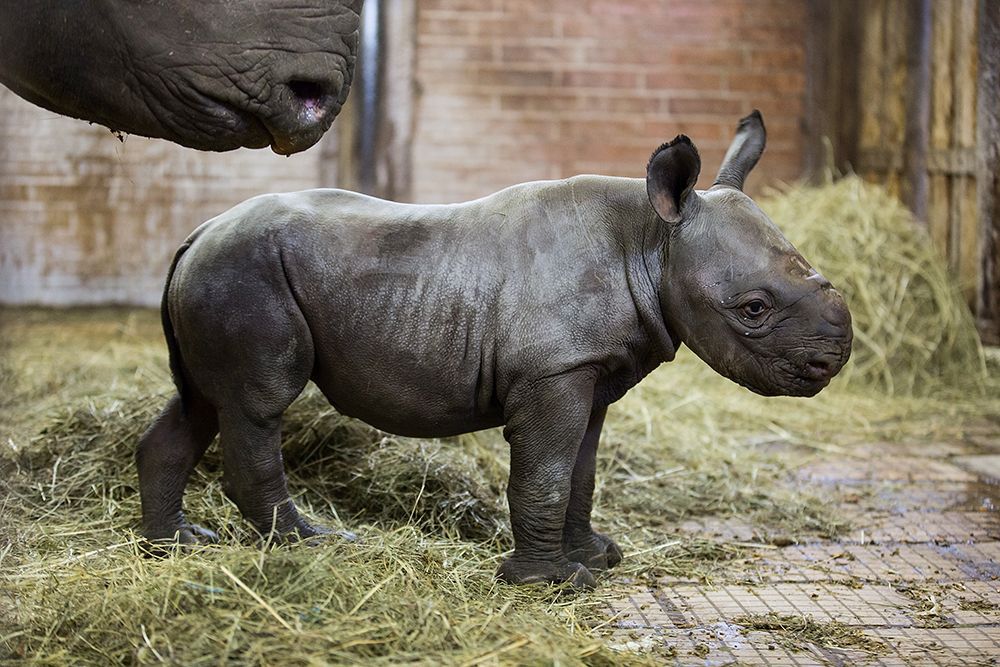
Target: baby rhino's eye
(754,309)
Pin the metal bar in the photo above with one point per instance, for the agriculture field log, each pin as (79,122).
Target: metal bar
(370,83)
(918,109)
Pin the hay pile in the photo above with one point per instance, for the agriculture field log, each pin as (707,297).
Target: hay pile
(430,515)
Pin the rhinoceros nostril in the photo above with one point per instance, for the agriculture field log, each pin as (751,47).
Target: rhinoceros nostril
(310,93)
(301,112)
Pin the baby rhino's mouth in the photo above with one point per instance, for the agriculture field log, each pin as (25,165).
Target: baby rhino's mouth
(819,369)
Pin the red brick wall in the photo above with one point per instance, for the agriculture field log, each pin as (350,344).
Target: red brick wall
(515,90)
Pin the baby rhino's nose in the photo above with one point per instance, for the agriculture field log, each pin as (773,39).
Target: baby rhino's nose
(836,312)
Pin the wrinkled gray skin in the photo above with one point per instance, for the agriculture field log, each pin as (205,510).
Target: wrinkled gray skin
(534,308)
(213,74)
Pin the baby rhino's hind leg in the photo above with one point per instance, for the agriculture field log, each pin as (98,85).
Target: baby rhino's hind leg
(167,454)
(254,475)
(252,374)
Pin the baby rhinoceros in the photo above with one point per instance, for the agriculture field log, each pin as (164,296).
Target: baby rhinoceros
(533,309)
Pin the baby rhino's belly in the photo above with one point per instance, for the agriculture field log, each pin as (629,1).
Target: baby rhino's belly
(396,315)
(396,392)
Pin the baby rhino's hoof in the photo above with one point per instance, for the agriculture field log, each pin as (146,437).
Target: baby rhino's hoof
(516,571)
(160,543)
(312,535)
(596,551)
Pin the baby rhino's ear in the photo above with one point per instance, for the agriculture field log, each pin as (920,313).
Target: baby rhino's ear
(670,177)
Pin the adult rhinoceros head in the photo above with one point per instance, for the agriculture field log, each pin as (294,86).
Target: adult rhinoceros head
(734,289)
(208,74)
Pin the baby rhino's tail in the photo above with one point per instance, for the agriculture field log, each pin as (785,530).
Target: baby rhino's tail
(185,390)
(174,350)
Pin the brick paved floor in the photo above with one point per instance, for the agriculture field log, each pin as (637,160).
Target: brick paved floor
(920,570)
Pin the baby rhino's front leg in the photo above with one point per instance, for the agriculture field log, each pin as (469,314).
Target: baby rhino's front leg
(546,423)
(581,543)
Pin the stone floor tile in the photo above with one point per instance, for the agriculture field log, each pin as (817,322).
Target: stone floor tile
(912,527)
(985,467)
(877,563)
(943,646)
(898,498)
(980,560)
(895,468)
(932,449)
(871,605)
(733,529)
